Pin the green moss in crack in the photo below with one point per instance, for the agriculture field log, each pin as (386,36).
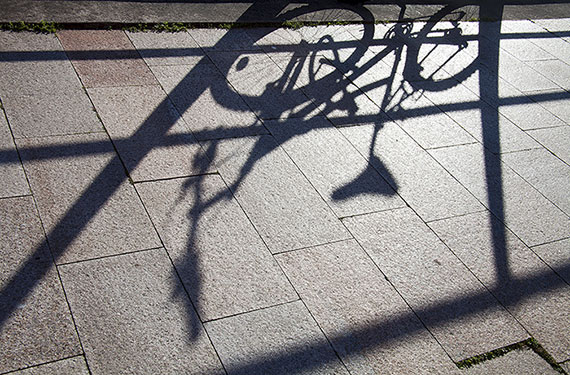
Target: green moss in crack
(530,343)
(42,27)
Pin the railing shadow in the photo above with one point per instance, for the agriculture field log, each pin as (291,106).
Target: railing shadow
(318,91)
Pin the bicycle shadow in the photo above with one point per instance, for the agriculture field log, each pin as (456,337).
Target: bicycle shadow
(311,91)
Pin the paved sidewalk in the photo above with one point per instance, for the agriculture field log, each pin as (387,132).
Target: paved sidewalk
(362,199)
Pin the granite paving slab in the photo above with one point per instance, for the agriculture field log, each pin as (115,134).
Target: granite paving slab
(86,203)
(434,130)
(531,32)
(334,167)
(40,91)
(328,89)
(74,365)
(235,39)
(545,172)
(268,91)
(522,208)
(221,259)
(465,107)
(557,71)
(150,135)
(133,316)
(502,263)
(165,48)
(367,322)
(285,209)
(526,109)
(35,322)
(11,170)
(105,58)
(423,271)
(566,366)
(556,255)
(524,362)
(557,105)
(423,184)
(556,140)
(278,340)
(209,105)
(519,74)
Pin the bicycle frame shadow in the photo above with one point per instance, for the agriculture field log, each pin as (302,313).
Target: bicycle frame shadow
(86,207)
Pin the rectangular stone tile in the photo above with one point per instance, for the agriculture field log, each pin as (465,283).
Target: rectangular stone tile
(534,32)
(87,206)
(556,102)
(285,209)
(367,322)
(268,91)
(331,93)
(74,365)
(434,130)
(556,255)
(14,181)
(502,262)
(556,70)
(165,48)
(345,180)
(516,40)
(151,137)
(566,366)
(221,259)
(522,208)
(531,112)
(223,39)
(545,172)
(523,361)
(465,107)
(278,340)
(556,140)
(208,103)
(452,303)
(423,184)
(105,58)
(40,91)
(276,40)
(523,109)
(36,324)
(133,316)
(520,74)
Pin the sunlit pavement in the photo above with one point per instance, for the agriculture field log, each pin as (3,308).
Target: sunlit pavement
(342,199)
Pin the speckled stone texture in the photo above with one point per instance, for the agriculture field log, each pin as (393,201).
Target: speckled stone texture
(150,135)
(35,322)
(74,365)
(86,203)
(224,264)
(11,170)
(285,209)
(40,91)
(366,320)
(524,210)
(134,316)
(334,167)
(523,362)
(279,340)
(105,58)
(465,317)
(425,186)
(521,281)
(208,104)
